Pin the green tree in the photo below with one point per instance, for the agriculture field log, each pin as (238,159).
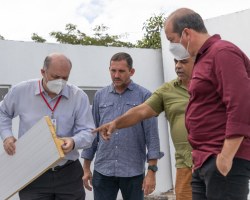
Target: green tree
(1,37)
(100,37)
(37,38)
(72,36)
(152,28)
(151,39)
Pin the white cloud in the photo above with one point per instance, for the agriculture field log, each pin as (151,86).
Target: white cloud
(20,18)
(91,9)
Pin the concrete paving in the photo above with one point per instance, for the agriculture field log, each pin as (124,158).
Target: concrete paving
(164,196)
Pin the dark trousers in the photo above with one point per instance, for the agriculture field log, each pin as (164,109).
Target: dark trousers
(107,187)
(63,184)
(209,184)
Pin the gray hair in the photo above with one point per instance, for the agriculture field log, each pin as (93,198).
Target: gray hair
(49,58)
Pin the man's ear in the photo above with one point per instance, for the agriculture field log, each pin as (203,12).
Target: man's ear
(43,72)
(187,32)
(132,71)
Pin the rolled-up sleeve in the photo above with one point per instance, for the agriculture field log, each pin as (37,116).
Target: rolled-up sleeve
(152,139)
(233,71)
(89,153)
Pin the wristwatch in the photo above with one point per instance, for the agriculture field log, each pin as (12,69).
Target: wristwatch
(153,168)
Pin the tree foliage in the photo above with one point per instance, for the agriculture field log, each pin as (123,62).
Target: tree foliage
(151,39)
(1,37)
(152,35)
(37,38)
(100,37)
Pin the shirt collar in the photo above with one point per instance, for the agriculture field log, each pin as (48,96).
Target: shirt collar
(64,92)
(178,83)
(208,43)
(131,87)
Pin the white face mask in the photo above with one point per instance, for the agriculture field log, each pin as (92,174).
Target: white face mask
(56,85)
(178,50)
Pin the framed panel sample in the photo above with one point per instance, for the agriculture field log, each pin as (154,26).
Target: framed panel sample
(36,151)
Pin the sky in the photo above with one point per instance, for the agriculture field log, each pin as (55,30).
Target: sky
(20,18)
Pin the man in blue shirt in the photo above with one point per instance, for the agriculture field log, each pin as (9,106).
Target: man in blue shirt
(69,109)
(120,162)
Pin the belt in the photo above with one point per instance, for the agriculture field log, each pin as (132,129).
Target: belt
(58,168)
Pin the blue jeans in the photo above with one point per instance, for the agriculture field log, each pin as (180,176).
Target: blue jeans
(209,184)
(107,187)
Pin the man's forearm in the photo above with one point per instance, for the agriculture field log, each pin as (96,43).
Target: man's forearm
(134,115)
(224,160)
(86,164)
(152,162)
(231,146)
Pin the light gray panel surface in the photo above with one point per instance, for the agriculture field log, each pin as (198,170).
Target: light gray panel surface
(36,151)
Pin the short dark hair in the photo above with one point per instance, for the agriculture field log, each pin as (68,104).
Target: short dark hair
(123,56)
(187,19)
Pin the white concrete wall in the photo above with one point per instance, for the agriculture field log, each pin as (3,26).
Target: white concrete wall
(232,27)
(23,60)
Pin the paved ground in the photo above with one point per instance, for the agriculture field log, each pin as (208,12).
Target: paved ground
(164,196)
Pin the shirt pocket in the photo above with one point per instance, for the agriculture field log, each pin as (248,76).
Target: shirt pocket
(106,112)
(131,104)
(65,125)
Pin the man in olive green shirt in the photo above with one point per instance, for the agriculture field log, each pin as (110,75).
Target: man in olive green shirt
(171,97)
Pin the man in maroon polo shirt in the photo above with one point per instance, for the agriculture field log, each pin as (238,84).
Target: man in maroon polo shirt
(218,114)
